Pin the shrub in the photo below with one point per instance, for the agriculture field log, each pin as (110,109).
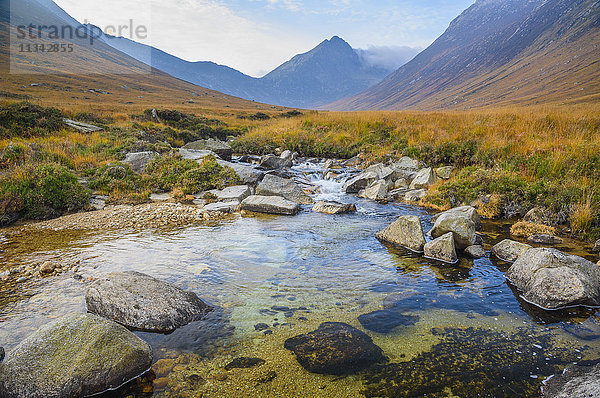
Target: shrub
(28,120)
(42,191)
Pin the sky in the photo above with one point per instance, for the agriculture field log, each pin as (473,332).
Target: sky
(256,36)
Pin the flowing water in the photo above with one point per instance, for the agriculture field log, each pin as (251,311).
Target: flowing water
(469,334)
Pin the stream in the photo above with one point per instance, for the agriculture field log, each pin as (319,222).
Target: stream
(469,333)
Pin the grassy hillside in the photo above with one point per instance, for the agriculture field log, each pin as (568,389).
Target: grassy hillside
(547,157)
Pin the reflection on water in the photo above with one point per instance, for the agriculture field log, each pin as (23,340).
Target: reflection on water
(445,329)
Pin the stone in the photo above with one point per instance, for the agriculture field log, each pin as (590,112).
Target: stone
(361,181)
(406,163)
(543,239)
(335,348)
(576,381)
(222,207)
(475,251)
(2,353)
(407,232)
(354,162)
(223,150)
(415,195)
(333,208)
(75,356)
(382,172)
(98,202)
(139,160)
(468,211)
(259,327)
(196,154)
(376,191)
(509,250)
(596,248)
(83,127)
(287,155)
(273,162)
(273,185)
(442,249)
(248,175)
(423,179)
(384,321)
(332,164)
(462,227)
(234,193)
(141,302)
(444,172)
(400,183)
(244,363)
(271,205)
(540,215)
(552,279)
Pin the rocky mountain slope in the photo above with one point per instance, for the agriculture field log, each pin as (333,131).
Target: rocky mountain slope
(499,53)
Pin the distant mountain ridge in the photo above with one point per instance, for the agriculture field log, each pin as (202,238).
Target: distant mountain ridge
(330,71)
(499,52)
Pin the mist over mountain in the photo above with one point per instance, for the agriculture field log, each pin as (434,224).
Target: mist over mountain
(499,52)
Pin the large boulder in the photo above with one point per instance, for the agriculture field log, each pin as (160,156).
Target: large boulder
(273,185)
(509,250)
(221,207)
(75,356)
(271,205)
(462,227)
(415,195)
(223,150)
(141,302)
(442,249)
(407,232)
(361,181)
(552,279)
(575,382)
(139,160)
(275,162)
(423,179)
(383,172)
(468,211)
(406,168)
(376,191)
(333,208)
(335,348)
(247,174)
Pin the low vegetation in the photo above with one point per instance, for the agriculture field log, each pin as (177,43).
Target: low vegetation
(539,157)
(44,164)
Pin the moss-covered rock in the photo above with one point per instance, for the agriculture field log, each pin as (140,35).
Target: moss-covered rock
(335,348)
(75,356)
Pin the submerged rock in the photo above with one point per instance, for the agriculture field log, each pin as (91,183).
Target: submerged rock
(271,205)
(384,321)
(406,231)
(475,251)
(74,356)
(551,279)
(461,226)
(244,363)
(273,185)
(442,249)
(142,302)
(576,381)
(333,208)
(509,250)
(223,150)
(335,348)
(543,239)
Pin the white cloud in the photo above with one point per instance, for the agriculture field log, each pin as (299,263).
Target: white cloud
(196,30)
(388,57)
